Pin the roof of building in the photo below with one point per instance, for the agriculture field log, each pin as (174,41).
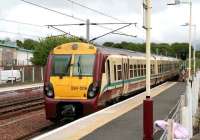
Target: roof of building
(13,45)
(9,44)
(24,50)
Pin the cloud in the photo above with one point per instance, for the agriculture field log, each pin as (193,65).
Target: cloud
(165,19)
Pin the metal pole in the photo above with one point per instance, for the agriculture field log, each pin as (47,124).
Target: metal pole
(190,40)
(33,74)
(88,30)
(12,75)
(148,102)
(42,76)
(194,51)
(148,46)
(23,74)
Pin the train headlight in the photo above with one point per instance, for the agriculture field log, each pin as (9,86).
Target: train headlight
(50,93)
(92,92)
(48,90)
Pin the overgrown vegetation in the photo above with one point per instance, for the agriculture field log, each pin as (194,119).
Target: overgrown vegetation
(28,44)
(44,46)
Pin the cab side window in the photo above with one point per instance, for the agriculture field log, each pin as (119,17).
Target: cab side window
(119,72)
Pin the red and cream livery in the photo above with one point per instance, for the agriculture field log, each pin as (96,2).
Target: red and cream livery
(82,78)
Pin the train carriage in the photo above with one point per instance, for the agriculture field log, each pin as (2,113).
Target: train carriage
(82,78)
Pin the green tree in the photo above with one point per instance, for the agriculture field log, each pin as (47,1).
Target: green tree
(108,44)
(180,50)
(19,43)
(29,44)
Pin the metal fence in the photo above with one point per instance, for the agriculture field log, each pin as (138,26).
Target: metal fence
(184,111)
(175,115)
(13,75)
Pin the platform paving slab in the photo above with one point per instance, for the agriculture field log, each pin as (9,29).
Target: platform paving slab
(129,126)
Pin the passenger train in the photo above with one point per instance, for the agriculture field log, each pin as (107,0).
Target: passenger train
(81,78)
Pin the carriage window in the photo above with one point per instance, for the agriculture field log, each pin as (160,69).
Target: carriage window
(164,67)
(119,72)
(139,70)
(145,69)
(115,76)
(142,70)
(131,71)
(159,69)
(151,69)
(135,70)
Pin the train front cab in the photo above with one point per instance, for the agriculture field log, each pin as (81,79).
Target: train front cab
(69,88)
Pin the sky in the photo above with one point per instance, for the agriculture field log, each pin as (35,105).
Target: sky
(166,20)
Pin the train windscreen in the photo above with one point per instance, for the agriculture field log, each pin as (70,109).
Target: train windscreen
(83,65)
(61,65)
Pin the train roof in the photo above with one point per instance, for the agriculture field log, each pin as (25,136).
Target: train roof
(81,47)
(117,51)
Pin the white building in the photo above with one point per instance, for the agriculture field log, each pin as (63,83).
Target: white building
(11,54)
(24,56)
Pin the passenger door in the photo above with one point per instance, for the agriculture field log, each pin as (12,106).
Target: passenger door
(125,65)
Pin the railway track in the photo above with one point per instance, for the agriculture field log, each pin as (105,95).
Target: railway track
(18,106)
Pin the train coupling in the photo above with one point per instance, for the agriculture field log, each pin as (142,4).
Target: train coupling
(68,110)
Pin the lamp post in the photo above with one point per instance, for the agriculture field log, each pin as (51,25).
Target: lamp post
(177,2)
(188,117)
(194,45)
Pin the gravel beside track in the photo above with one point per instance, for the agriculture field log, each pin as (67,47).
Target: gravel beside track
(22,115)
(23,126)
(16,102)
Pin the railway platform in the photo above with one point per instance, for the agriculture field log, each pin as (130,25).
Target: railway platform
(123,120)
(130,125)
(20,87)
